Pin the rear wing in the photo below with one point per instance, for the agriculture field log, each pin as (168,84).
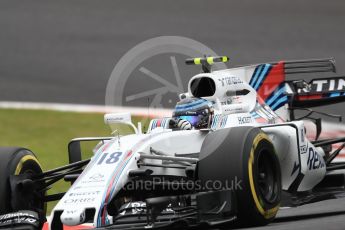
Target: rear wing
(308,66)
(271,81)
(318,91)
(303,95)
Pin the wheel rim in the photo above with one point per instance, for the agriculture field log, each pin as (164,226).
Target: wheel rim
(267,177)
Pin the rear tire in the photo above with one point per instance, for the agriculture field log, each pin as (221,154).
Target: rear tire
(243,159)
(17,161)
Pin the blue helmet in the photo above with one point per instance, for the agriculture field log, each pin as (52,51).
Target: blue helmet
(197,111)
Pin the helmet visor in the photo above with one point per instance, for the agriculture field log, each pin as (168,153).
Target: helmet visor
(194,119)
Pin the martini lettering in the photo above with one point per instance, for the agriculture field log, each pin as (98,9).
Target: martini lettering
(325,85)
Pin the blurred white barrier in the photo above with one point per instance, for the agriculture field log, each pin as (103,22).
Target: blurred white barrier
(139,111)
(329,130)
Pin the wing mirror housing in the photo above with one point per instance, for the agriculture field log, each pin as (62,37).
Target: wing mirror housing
(121,118)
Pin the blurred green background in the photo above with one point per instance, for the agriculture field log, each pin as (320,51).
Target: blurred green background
(47,134)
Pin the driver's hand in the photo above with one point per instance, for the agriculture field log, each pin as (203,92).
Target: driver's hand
(183,124)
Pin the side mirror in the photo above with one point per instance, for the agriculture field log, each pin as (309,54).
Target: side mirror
(75,149)
(119,118)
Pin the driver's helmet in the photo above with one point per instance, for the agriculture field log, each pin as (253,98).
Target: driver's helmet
(197,111)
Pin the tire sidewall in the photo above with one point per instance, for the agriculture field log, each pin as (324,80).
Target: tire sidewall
(15,161)
(229,161)
(263,212)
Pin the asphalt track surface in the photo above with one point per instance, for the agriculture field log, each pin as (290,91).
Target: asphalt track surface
(65,51)
(322,215)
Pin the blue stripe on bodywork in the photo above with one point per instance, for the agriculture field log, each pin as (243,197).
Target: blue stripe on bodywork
(262,75)
(224,120)
(255,115)
(276,95)
(154,125)
(280,103)
(256,74)
(335,94)
(214,123)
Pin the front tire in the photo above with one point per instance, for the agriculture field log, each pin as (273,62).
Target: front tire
(15,161)
(243,159)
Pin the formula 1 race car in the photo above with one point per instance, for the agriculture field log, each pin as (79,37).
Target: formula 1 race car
(233,153)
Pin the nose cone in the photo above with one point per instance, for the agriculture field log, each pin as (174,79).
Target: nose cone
(73,217)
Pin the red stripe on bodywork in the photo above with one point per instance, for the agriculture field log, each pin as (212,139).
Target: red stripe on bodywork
(309,97)
(261,120)
(106,146)
(275,77)
(261,101)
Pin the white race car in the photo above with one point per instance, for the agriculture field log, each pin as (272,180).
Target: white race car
(233,152)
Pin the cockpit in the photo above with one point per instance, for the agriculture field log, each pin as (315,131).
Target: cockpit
(192,113)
